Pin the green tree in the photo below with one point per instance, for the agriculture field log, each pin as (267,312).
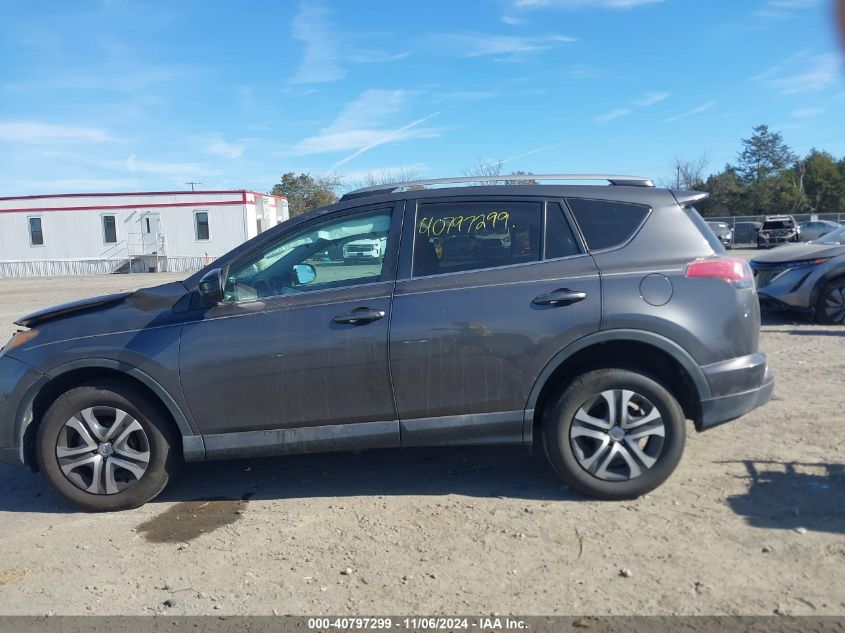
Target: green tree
(823,182)
(305,192)
(726,194)
(764,155)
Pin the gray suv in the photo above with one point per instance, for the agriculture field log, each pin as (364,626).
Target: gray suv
(593,319)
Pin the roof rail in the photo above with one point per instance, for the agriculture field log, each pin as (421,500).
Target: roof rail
(634,181)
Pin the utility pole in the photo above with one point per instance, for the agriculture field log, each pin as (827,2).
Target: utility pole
(677,178)
(192,183)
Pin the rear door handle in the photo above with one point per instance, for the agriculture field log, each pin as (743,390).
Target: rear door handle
(359,316)
(560,297)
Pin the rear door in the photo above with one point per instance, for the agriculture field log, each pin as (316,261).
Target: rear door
(489,289)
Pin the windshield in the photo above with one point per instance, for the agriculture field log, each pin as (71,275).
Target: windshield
(779,224)
(834,237)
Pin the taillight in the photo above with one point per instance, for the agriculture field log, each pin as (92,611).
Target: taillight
(730,269)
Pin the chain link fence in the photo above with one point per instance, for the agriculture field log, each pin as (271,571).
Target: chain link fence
(749,237)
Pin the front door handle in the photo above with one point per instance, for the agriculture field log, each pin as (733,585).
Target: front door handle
(560,297)
(359,316)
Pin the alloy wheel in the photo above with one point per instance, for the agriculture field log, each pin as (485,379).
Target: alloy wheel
(617,435)
(834,304)
(103,450)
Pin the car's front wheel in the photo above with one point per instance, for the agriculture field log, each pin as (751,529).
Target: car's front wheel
(614,434)
(106,447)
(830,308)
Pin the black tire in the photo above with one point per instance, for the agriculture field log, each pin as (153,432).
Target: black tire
(832,292)
(559,417)
(160,436)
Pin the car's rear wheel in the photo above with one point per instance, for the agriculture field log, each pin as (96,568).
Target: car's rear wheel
(106,447)
(830,308)
(614,434)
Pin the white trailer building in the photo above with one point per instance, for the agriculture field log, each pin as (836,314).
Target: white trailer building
(91,233)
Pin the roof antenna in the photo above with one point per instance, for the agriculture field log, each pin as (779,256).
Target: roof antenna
(192,183)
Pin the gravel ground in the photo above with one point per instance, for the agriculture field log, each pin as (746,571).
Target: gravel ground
(751,522)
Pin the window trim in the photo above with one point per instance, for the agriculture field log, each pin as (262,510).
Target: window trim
(29,219)
(197,237)
(650,210)
(573,226)
(394,208)
(103,217)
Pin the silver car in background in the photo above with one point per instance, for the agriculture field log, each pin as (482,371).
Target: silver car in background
(808,277)
(814,229)
(723,232)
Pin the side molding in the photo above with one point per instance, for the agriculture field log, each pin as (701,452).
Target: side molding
(312,439)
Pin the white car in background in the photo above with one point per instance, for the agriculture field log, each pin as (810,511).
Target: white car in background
(364,251)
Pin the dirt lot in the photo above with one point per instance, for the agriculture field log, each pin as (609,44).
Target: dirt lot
(751,523)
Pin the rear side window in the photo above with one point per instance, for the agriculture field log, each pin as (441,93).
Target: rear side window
(704,228)
(607,223)
(458,236)
(560,240)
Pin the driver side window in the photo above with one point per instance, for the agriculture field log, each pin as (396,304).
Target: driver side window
(338,253)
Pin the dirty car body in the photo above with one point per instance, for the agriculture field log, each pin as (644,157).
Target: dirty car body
(608,317)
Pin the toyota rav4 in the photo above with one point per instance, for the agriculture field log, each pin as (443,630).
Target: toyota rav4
(596,321)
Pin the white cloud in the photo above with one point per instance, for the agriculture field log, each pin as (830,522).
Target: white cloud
(696,110)
(611,114)
(325,52)
(530,152)
(219,147)
(175,170)
(511,20)
(320,59)
(363,125)
(480,44)
(806,113)
(650,98)
(68,185)
(804,72)
(584,4)
(35,132)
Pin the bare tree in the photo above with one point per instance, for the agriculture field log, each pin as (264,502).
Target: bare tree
(690,173)
(483,167)
(375,177)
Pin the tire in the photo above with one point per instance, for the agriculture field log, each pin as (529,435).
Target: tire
(79,425)
(569,443)
(830,307)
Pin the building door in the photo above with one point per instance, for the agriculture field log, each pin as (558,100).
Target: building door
(150,230)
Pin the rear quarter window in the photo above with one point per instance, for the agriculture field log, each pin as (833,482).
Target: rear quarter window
(607,223)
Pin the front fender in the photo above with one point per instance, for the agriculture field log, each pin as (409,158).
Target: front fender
(192,444)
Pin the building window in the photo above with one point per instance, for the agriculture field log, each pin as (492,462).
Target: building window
(201,218)
(109,229)
(36,235)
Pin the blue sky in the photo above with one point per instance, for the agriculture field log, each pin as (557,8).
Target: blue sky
(118,95)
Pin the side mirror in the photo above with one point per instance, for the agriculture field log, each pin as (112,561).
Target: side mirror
(304,274)
(211,287)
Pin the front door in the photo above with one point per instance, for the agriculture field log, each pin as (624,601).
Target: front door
(295,358)
(149,230)
(494,288)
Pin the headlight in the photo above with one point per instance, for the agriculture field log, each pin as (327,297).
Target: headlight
(19,338)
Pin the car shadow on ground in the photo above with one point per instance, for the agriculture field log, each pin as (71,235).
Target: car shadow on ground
(471,471)
(793,495)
